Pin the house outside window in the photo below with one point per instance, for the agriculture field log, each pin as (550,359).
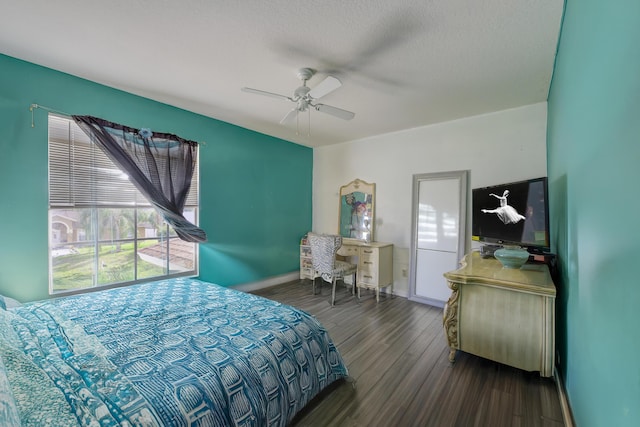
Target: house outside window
(102,231)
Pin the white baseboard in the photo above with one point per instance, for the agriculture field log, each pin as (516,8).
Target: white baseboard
(567,416)
(428,301)
(272,281)
(398,293)
(289,277)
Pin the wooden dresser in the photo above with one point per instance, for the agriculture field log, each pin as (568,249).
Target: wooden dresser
(506,315)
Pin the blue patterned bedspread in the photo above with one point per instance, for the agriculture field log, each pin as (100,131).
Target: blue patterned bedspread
(178,352)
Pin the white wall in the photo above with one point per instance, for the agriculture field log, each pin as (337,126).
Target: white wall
(499,147)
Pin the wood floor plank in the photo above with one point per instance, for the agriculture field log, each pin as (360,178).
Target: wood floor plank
(396,353)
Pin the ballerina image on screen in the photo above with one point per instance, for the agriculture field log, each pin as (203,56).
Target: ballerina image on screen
(507,214)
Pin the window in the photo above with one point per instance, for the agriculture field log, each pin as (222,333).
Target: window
(102,231)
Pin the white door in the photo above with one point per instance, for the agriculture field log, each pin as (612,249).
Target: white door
(439,233)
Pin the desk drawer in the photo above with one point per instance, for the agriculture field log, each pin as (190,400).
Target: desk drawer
(369,259)
(346,250)
(369,277)
(369,266)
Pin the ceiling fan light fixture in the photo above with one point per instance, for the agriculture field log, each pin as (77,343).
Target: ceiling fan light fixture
(303,104)
(305,97)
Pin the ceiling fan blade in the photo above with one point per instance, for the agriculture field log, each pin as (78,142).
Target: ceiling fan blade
(290,116)
(328,85)
(262,92)
(335,111)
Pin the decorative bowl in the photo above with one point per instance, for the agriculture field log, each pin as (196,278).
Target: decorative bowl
(512,256)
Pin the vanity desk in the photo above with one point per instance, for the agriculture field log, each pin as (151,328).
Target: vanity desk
(356,218)
(374,260)
(503,314)
(375,264)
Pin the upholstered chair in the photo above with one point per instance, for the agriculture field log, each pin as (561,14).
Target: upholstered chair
(323,256)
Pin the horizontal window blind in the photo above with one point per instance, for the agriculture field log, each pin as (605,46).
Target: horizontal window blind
(81,175)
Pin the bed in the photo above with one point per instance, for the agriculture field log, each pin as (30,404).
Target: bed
(178,352)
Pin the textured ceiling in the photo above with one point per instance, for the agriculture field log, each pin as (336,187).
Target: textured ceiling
(402,63)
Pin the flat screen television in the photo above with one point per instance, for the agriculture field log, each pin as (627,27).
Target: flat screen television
(515,213)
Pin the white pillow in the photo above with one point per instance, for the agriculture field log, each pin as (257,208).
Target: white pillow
(6,302)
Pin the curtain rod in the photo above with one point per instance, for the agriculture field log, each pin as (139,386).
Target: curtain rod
(53,110)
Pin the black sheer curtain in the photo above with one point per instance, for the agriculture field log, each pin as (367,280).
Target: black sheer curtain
(160,165)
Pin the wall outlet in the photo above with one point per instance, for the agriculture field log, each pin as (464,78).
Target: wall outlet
(404,272)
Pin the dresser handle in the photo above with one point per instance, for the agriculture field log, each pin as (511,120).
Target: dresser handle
(367,251)
(367,262)
(368,277)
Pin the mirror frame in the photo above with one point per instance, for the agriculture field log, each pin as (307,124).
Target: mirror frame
(352,195)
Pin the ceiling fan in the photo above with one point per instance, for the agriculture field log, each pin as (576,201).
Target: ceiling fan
(306,98)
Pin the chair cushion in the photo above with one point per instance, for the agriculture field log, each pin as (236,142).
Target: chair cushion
(343,268)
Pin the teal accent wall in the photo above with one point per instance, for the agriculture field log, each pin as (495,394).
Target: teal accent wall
(593,151)
(255,190)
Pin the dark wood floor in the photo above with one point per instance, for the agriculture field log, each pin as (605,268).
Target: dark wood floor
(397,356)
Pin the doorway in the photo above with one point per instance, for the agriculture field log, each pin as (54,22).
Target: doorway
(438,237)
